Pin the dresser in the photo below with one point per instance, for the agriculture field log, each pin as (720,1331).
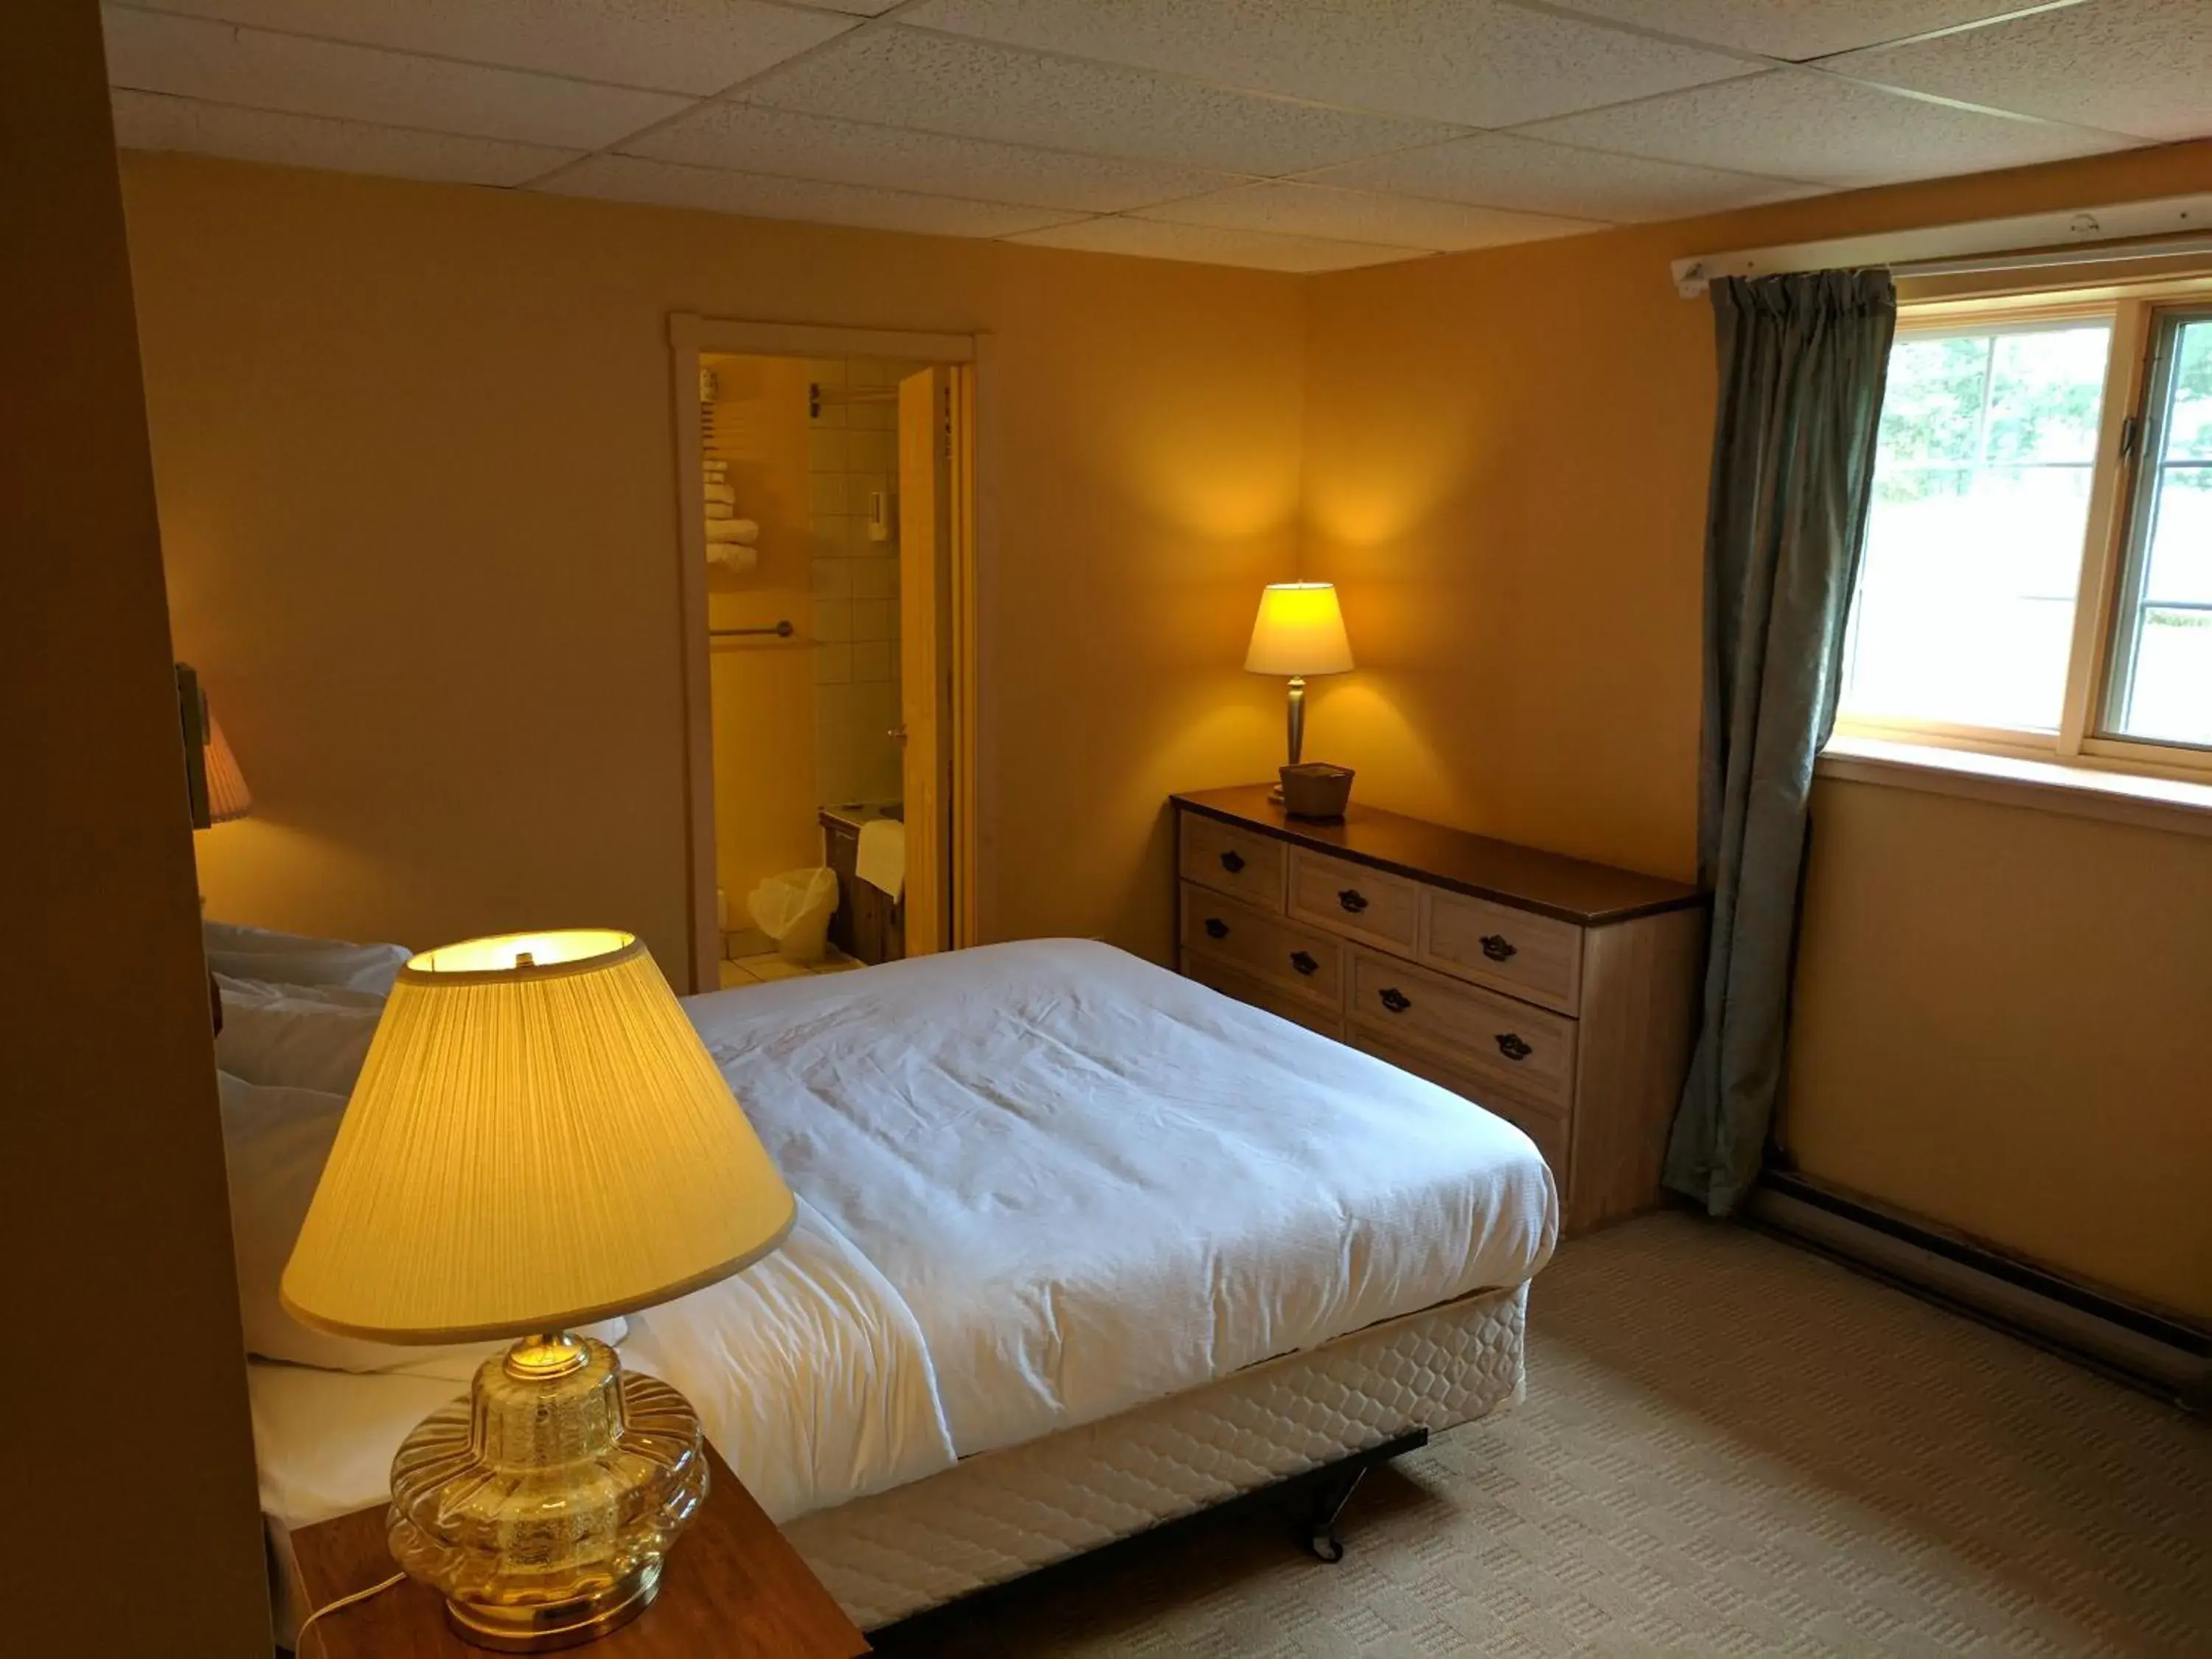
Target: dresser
(1559,994)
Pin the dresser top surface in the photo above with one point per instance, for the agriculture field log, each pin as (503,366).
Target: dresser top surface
(1572,890)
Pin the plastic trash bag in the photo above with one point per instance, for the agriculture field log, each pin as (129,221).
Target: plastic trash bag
(794,909)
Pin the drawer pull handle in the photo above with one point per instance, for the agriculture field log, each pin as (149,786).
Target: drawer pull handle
(1498,948)
(1511,1045)
(1353,900)
(1216,928)
(1394,1000)
(1232,861)
(1302,962)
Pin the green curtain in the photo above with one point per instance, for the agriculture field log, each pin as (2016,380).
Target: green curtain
(1802,360)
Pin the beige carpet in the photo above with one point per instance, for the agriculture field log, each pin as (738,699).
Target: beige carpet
(1729,1446)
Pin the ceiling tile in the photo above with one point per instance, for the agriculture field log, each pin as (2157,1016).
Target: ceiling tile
(1478,63)
(902,78)
(1802,125)
(1499,170)
(2136,66)
(1796,29)
(748,138)
(149,52)
(1357,215)
(1155,239)
(676,46)
(149,120)
(631,178)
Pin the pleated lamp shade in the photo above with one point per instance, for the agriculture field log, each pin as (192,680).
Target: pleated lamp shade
(227,796)
(539,1140)
(1299,630)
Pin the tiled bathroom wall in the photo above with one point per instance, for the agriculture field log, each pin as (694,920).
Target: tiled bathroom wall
(852,451)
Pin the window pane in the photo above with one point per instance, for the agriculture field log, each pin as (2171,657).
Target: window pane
(2162,681)
(2171,693)
(1965,611)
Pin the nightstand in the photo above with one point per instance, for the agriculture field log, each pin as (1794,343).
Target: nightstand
(734,1590)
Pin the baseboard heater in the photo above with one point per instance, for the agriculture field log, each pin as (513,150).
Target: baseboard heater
(2164,1356)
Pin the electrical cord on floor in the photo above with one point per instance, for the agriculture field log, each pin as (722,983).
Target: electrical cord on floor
(300,1637)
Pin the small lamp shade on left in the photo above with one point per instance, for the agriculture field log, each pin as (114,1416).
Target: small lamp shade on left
(228,797)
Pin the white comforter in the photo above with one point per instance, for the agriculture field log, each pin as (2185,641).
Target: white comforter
(1095,1184)
(1040,1183)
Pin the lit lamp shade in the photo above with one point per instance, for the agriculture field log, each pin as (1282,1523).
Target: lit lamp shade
(538,1141)
(1299,631)
(227,796)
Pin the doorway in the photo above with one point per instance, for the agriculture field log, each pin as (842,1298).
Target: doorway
(829,531)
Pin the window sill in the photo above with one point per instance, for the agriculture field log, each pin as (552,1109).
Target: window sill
(2168,803)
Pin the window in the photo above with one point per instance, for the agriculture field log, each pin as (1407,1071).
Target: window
(2038,569)
(2161,684)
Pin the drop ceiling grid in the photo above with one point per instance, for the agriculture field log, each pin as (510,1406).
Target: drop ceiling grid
(1204,129)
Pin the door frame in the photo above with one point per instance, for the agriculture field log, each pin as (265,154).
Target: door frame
(973,560)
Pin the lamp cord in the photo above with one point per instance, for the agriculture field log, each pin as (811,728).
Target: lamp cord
(300,1637)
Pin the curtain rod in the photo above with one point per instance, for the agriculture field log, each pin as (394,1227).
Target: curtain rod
(2169,227)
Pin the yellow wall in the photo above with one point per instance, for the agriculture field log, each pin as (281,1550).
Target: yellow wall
(2003,1022)
(1505,471)
(415,453)
(132,1522)
(763,689)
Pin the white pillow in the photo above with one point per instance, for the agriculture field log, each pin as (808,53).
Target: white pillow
(294,1041)
(262,990)
(275,1142)
(258,953)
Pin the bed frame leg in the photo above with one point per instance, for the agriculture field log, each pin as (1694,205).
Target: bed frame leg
(1329,1498)
(1331,1487)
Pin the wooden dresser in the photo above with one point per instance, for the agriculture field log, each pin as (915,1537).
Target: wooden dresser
(1558,994)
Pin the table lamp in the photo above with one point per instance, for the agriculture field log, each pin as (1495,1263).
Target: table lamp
(1299,631)
(538,1141)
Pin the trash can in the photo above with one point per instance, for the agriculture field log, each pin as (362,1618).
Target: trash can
(795,909)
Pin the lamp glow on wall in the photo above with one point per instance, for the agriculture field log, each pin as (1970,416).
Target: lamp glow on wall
(1299,631)
(538,1141)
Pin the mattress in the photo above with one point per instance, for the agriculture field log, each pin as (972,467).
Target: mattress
(1044,1188)
(997,1517)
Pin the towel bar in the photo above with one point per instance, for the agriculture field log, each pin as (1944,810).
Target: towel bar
(782,630)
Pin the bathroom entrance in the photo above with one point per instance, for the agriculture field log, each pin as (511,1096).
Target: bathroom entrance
(828,505)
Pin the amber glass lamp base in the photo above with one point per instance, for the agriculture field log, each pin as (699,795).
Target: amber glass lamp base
(544,1504)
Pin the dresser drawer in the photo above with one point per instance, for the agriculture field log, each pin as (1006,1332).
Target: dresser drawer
(1304,961)
(1352,899)
(1549,1132)
(1530,1052)
(1248,988)
(1516,950)
(1232,860)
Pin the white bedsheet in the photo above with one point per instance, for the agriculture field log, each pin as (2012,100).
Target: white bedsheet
(1097,1183)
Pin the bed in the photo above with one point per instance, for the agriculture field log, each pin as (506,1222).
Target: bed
(1083,1246)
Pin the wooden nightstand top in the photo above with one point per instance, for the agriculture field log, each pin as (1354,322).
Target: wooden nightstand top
(734,1590)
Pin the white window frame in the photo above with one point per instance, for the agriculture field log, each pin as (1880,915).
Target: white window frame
(2082,739)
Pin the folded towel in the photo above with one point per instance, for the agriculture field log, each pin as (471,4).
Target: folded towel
(720,492)
(880,860)
(732,555)
(733,529)
(720,510)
